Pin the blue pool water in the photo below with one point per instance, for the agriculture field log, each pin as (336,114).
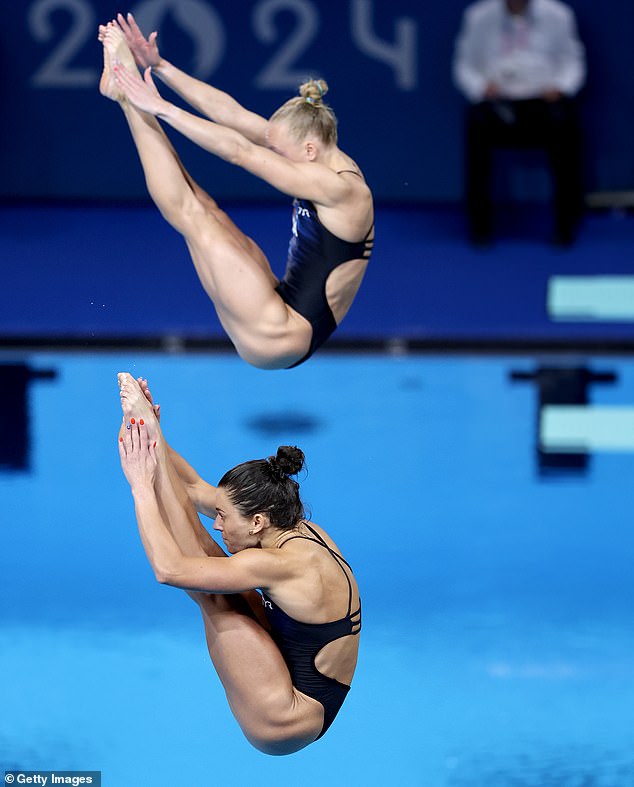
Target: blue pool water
(498,646)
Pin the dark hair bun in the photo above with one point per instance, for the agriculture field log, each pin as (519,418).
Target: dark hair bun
(289,459)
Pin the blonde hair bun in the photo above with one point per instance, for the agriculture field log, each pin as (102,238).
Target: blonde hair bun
(313,91)
(307,115)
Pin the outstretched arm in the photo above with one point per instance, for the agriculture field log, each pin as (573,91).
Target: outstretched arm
(139,464)
(250,569)
(175,507)
(213,103)
(201,493)
(166,532)
(208,100)
(310,180)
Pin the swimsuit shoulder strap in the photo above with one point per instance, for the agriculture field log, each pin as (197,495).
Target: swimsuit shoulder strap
(337,557)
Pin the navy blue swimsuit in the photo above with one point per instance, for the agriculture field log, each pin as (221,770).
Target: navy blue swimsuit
(300,643)
(313,254)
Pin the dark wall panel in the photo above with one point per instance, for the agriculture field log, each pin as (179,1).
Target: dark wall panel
(388,65)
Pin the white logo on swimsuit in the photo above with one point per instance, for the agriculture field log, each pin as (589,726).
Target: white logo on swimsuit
(299,211)
(267,604)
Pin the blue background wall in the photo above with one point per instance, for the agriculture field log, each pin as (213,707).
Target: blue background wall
(399,112)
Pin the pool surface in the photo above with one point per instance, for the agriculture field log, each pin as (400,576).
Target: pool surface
(498,646)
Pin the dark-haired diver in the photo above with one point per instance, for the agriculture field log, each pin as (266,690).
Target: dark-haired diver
(272,324)
(285,655)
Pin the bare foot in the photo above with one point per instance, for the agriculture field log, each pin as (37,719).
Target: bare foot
(143,384)
(107,85)
(115,42)
(115,50)
(135,405)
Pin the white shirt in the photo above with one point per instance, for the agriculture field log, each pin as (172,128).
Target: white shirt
(524,55)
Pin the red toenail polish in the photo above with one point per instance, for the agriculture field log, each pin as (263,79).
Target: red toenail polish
(132,421)
(121,439)
(155,444)
(141,421)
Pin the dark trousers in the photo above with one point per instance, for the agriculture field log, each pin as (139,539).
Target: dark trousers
(553,126)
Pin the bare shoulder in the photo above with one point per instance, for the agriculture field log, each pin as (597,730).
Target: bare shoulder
(351,173)
(356,183)
(267,568)
(321,532)
(351,218)
(297,552)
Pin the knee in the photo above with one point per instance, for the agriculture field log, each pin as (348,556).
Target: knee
(182,211)
(209,203)
(192,210)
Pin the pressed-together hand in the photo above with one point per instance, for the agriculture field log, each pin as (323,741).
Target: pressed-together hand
(141,93)
(138,456)
(145,50)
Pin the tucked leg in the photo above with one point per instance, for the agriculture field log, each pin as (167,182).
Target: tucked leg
(274,716)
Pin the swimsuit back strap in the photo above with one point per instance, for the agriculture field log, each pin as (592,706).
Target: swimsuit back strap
(338,558)
(367,235)
(330,549)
